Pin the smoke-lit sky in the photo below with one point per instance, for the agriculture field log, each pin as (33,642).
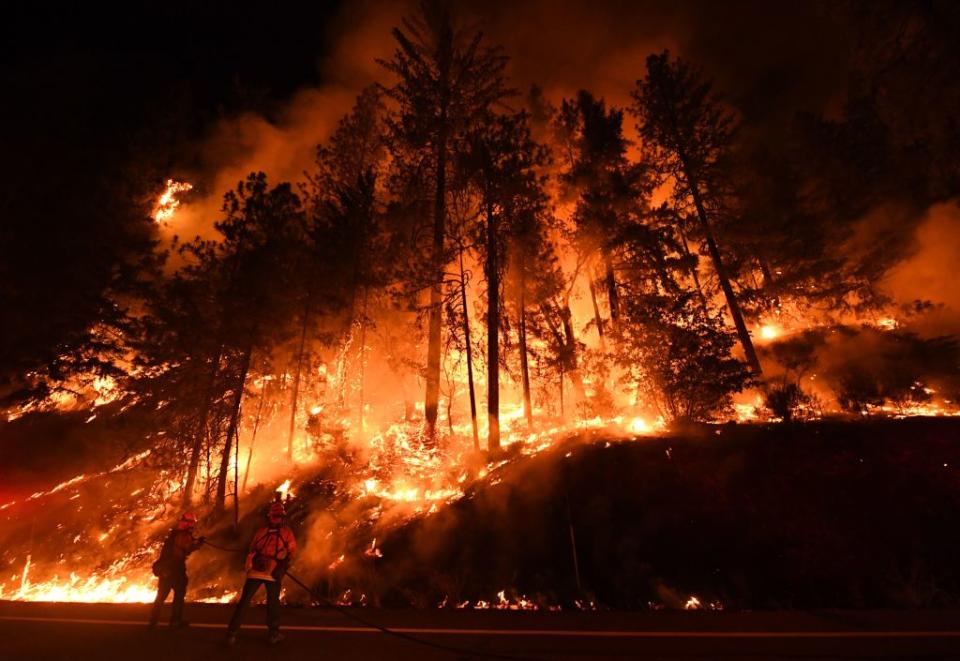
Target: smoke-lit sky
(211,91)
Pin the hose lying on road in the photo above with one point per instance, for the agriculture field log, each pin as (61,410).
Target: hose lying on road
(390,632)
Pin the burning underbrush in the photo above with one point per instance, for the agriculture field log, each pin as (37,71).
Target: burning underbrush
(733,516)
(93,537)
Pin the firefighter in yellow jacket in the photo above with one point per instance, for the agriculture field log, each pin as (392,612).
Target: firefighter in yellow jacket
(271,552)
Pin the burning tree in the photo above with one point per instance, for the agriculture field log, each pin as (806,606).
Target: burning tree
(687,137)
(447,242)
(447,80)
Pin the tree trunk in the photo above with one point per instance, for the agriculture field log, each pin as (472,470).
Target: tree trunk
(612,296)
(432,395)
(524,364)
(598,320)
(693,270)
(721,271)
(768,280)
(363,340)
(567,343)
(493,335)
(466,341)
(296,382)
(236,485)
(253,437)
(232,428)
(573,368)
(345,345)
(563,413)
(201,432)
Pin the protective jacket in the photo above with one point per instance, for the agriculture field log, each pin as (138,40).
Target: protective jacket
(173,556)
(271,552)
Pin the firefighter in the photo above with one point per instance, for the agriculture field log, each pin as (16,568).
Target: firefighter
(171,569)
(271,552)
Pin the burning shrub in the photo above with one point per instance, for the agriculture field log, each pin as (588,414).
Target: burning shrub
(785,400)
(682,359)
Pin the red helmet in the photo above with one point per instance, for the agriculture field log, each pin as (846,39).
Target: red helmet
(187,521)
(277,510)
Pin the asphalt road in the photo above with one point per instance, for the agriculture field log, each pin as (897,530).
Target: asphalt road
(109,631)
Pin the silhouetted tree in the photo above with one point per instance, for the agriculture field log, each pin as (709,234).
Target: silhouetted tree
(687,137)
(446,79)
(608,187)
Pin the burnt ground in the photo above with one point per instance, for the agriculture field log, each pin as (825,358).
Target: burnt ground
(831,514)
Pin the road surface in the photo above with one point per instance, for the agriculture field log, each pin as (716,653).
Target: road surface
(114,631)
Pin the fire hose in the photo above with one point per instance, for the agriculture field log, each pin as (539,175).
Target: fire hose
(386,630)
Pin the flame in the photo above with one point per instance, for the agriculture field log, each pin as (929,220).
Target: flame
(119,583)
(770,332)
(168,201)
(285,491)
(639,426)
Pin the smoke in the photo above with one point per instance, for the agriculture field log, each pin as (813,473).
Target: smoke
(769,64)
(924,276)
(764,60)
(284,144)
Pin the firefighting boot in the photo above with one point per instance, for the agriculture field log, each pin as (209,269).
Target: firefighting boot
(275,637)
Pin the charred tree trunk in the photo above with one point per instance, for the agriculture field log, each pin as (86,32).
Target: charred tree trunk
(728,293)
(598,320)
(201,433)
(721,270)
(567,343)
(493,335)
(612,296)
(524,364)
(363,340)
(469,348)
(236,484)
(233,428)
(573,368)
(432,395)
(296,381)
(345,345)
(768,281)
(253,436)
(693,270)
(563,413)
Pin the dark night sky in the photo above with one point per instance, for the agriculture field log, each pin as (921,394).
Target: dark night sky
(72,67)
(97,105)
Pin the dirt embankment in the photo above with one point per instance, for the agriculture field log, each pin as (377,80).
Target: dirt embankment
(828,514)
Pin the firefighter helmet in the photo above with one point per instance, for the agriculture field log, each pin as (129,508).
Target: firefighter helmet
(277,510)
